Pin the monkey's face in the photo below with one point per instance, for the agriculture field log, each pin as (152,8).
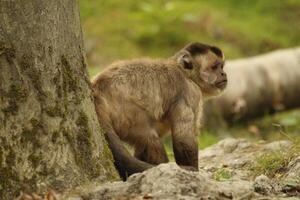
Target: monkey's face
(206,70)
(210,74)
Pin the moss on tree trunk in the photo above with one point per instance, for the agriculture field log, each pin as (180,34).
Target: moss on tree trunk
(49,132)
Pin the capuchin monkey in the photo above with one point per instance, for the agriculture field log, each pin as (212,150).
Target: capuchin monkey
(139,101)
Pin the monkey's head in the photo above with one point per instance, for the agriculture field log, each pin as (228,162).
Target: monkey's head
(203,64)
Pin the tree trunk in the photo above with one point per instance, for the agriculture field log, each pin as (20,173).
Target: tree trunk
(257,86)
(49,132)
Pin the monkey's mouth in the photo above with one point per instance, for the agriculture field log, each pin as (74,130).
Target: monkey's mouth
(221,84)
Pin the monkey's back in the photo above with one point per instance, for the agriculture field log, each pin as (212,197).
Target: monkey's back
(127,89)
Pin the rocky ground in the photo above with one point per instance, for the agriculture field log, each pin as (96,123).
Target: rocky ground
(228,170)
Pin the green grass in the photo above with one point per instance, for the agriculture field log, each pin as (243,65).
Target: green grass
(205,139)
(269,127)
(222,175)
(116,29)
(273,164)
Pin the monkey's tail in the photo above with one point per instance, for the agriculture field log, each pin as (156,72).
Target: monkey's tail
(124,162)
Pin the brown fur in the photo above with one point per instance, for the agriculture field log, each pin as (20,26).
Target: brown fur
(141,100)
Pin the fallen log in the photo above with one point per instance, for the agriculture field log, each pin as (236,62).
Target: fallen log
(257,86)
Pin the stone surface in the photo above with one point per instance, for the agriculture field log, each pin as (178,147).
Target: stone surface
(291,180)
(168,181)
(223,174)
(263,185)
(237,155)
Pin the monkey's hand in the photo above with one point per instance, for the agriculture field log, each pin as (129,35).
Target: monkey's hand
(189,168)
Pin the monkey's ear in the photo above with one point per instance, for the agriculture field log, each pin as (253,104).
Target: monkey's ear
(186,60)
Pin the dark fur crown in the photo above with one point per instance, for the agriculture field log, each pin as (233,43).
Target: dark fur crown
(196,48)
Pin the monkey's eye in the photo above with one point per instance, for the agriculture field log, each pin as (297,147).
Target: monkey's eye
(214,67)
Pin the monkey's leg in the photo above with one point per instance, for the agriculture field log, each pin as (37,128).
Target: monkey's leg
(152,150)
(124,162)
(184,137)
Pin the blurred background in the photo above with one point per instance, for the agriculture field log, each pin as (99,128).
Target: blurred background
(119,29)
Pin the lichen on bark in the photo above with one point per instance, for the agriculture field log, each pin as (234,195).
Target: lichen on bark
(49,131)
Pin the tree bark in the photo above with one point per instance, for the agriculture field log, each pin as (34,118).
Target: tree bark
(49,131)
(260,85)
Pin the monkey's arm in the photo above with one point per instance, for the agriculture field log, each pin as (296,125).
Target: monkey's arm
(185,144)
(125,163)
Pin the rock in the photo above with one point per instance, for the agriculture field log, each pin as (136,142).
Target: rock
(224,174)
(236,155)
(168,181)
(291,180)
(263,185)
(232,154)
(277,145)
(294,170)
